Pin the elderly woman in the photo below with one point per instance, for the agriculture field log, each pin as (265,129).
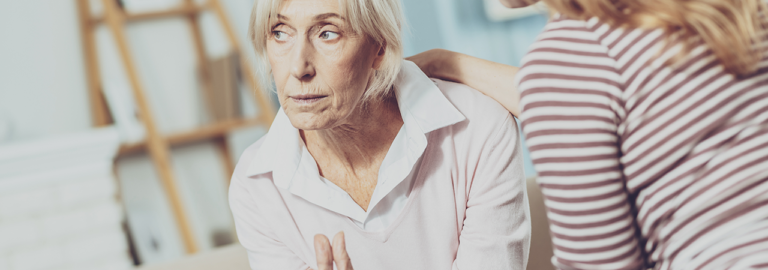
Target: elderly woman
(416,173)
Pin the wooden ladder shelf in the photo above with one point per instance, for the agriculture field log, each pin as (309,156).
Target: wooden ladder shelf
(157,144)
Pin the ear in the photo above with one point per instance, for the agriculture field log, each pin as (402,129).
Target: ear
(379,58)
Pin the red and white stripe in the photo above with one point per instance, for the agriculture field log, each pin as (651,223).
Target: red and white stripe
(643,164)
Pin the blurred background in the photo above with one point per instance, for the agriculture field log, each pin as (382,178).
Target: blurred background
(120,122)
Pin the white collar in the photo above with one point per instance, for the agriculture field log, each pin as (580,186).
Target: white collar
(423,108)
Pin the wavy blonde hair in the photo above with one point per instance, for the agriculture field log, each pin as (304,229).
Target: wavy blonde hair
(731,28)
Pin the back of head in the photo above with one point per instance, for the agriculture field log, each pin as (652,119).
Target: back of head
(731,28)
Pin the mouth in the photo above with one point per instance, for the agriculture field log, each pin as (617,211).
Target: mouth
(307,99)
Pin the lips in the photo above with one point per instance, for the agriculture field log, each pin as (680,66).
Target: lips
(307,98)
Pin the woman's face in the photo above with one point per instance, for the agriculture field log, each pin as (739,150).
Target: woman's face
(321,68)
(517,3)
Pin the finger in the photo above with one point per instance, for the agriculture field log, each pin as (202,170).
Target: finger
(340,255)
(323,253)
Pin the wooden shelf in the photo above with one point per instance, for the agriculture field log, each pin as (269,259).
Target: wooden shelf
(162,14)
(156,144)
(207,132)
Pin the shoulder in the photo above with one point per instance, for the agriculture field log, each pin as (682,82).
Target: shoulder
(567,42)
(243,183)
(470,102)
(566,45)
(248,192)
(559,30)
(247,157)
(483,114)
(570,62)
(592,31)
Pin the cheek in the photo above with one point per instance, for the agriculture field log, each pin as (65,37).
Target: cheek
(348,69)
(280,69)
(349,82)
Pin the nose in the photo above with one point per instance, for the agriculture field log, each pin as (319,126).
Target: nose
(301,61)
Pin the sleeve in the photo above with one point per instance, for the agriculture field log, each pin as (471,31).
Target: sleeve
(571,101)
(265,251)
(496,229)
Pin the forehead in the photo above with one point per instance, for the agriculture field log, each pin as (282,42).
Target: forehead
(307,9)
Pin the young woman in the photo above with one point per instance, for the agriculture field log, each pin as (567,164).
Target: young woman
(647,122)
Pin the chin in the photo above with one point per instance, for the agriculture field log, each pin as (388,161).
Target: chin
(308,121)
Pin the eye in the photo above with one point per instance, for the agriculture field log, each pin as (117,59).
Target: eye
(328,35)
(279,35)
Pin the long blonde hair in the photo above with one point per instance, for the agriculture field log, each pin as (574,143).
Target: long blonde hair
(731,28)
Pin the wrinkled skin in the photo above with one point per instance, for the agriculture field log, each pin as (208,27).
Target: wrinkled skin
(320,66)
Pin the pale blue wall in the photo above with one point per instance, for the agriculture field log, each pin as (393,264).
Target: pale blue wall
(462,26)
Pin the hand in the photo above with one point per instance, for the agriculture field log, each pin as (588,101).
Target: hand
(517,3)
(492,79)
(428,61)
(327,255)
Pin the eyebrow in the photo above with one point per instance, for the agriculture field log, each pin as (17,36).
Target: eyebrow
(319,17)
(327,16)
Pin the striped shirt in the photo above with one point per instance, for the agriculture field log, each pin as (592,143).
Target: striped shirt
(643,164)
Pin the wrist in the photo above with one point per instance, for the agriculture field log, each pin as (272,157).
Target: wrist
(443,64)
(432,67)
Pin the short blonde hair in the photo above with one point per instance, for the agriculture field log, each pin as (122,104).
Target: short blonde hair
(380,20)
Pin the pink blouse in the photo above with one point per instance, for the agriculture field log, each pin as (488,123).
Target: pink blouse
(466,206)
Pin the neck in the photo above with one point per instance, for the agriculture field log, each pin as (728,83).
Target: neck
(361,142)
